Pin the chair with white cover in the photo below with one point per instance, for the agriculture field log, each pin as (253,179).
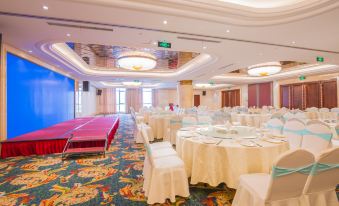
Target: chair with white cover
(288,115)
(312,109)
(335,109)
(324,110)
(275,126)
(317,137)
(284,186)
(204,120)
(175,124)
(300,115)
(138,135)
(165,178)
(294,130)
(156,145)
(321,184)
(189,121)
(159,150)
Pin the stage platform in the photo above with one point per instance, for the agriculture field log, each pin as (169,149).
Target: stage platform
(53,139)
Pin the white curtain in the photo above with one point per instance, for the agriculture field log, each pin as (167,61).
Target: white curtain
(106,101)
(133,99)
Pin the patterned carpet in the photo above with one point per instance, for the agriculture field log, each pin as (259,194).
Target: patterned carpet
(113,180)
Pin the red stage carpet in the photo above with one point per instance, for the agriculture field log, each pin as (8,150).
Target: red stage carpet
(53,139)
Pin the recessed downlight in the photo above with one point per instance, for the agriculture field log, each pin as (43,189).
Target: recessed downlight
(228,31)
(30,51)
(68,34)
(165,22)
(44,7)
(293,42)
(204,47)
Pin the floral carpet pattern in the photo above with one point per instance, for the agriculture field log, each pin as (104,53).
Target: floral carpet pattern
(113,180)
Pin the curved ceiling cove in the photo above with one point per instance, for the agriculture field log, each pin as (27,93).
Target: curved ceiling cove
(236,12)
(63,53)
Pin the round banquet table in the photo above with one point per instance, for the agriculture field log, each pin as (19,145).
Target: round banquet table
(225,161)
(156,122)
(255,120)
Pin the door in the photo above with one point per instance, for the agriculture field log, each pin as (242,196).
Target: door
(196,100)
(312,94)
(285,97)
(297,97)
(329,94)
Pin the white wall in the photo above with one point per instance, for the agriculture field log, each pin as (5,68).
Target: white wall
(212,99)
(89,103)
(166,96)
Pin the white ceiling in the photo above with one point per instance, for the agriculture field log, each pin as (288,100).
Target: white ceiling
(139,23)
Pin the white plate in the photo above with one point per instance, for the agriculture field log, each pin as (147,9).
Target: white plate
(187,129)
(248,144)
(209,141)
(273,140)
(249,137)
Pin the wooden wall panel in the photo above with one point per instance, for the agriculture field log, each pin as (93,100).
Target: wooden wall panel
(312,94)
(230,98)
(236,97)
(329,94)
(297,96)
(252,95)
(265,94)
(285,96)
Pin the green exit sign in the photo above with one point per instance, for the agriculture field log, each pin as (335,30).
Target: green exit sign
(164,44)
(320,59)
(302,77)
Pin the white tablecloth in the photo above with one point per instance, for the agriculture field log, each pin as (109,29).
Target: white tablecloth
(246,119)
(157,123)
(224,163)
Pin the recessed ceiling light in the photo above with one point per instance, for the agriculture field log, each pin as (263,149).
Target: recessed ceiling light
(293,42)
(204,47)
(228,31)
(164,22)
(45,7)
(154,43)
(30,51)
(68,34)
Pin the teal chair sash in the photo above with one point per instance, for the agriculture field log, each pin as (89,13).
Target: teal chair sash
(274,127)
(321,167)
(298,132)
(204,123)
(337,130)
(324,136)
(148,149)
(279,171)
(175,121)
(185,124)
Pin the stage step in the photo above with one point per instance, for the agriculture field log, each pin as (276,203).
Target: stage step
(84,150)
(87,139)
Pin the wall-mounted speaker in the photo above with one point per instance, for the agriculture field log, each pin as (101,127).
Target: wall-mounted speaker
(99,91)
(85,86)
(203,93)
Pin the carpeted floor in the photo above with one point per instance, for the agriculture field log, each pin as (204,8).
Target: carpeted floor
(113,180)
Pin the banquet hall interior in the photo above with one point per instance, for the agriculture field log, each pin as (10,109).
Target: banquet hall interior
(169,102)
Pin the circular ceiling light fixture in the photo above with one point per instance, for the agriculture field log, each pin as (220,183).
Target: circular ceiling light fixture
(264,69)
(137,61)
(134,83)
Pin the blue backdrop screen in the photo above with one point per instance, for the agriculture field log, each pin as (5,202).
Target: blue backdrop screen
(36,97)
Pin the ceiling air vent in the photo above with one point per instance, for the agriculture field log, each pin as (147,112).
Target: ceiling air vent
(79,26)
(198,39)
